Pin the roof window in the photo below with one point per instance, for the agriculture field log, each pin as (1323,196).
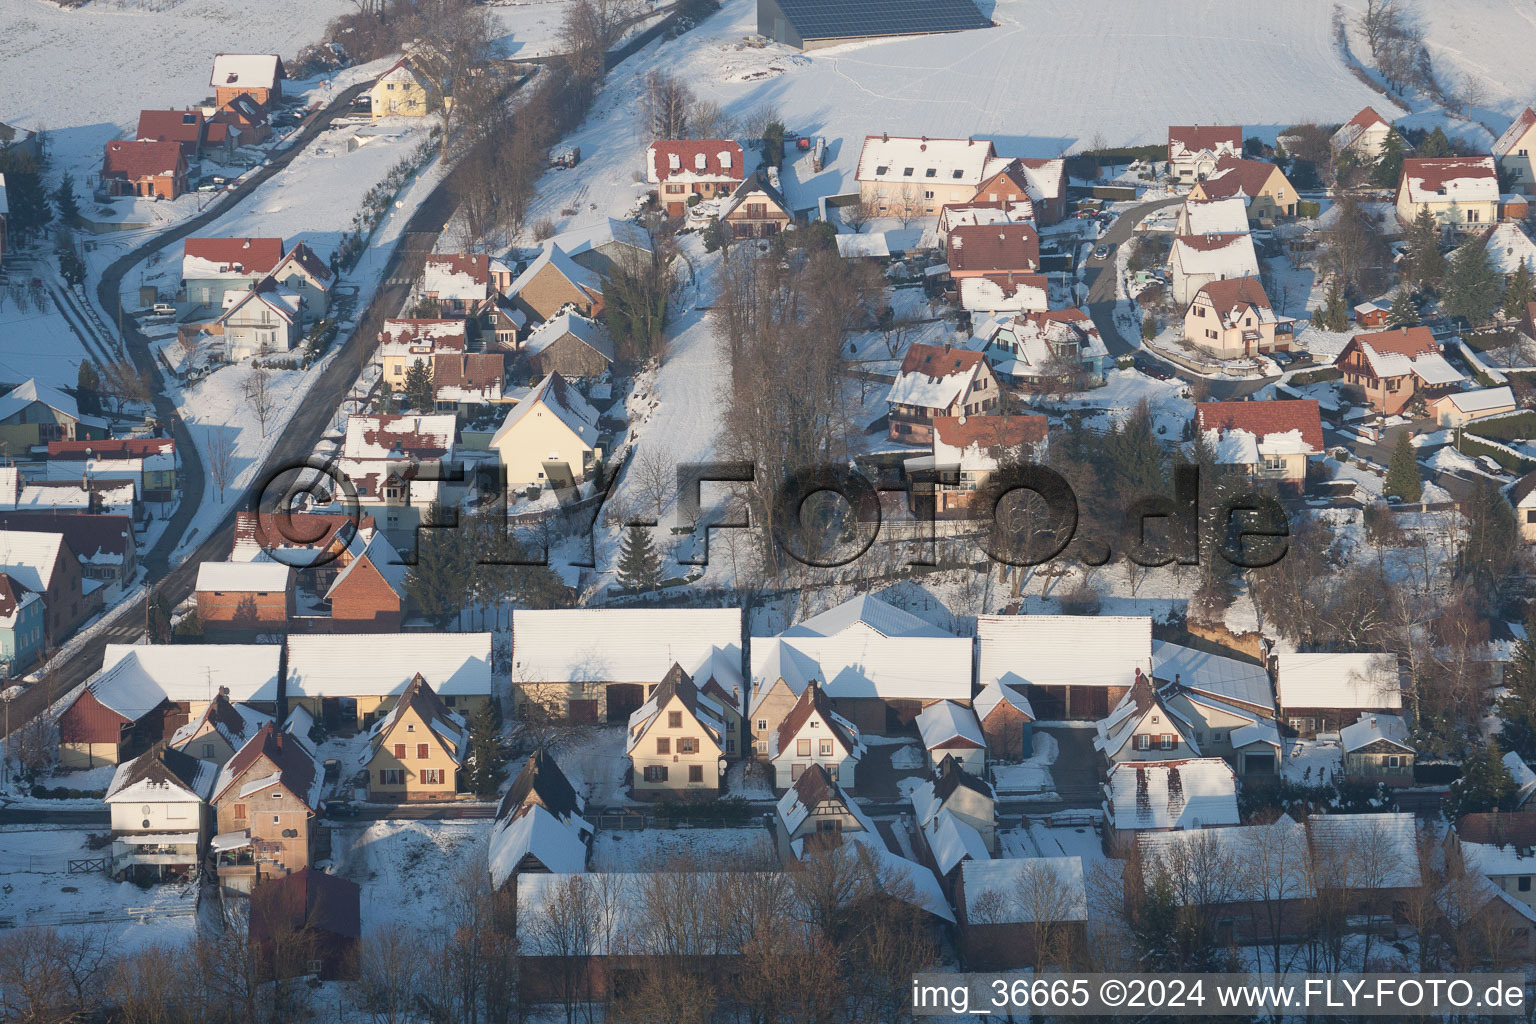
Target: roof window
(906,172)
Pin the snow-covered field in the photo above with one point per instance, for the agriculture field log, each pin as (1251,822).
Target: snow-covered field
(529,29)
(404,867)
(85,74)
(40,890)
(39,343)
(1487,39)
(654,848)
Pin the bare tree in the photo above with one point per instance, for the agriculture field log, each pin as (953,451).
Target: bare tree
(708,120)
(860,213)
(389,967)
(219,452)
(655,477)
(907,206)
(261,395)
(665,104)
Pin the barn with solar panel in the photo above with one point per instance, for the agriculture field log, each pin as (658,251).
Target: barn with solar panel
(812,24)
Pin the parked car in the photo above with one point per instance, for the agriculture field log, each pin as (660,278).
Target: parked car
(163,309)
(340,809)
(1152,368)
(1101,253)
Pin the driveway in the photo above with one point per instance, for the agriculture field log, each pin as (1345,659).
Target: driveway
(1100,276)
(1076,771)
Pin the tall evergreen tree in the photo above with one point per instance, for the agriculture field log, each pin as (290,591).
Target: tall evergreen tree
(67,202)
(439,583)
(1389,166)
(1404,311)
(1425,260)
(1517,707)
(1485,784)
(639,564)
(1436,143)
(488,754)
(1520,292)
(418,386)
(88,388)
(1403,477)
(1333,315)
(1472,284)
(30,210)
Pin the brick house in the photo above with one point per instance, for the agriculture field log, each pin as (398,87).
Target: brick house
(1193,150)
(415,752)
(187,128)
(554,281)
(1392,367)
(256,75)
(571,345)
(1042,182)
(1271,441)
(934,382)
(265,802)
(244,596)
(150,170)
(369,593)
(680,168)
(1007,721)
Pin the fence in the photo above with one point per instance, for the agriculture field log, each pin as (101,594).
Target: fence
(119,915)
(634,821)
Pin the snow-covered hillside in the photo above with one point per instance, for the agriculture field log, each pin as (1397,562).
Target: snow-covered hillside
(1491,40)
(85,74)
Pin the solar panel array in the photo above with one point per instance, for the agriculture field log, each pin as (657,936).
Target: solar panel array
(841,19)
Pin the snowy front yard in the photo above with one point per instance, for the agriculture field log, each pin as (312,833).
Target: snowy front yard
(404,866)
(653,848)
(1032,776)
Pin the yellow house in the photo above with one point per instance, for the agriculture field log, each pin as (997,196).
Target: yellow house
(676,740)
(403,91)
(415,751)
(403,342)
(1513,152)
(549,438)
(1261,184)
(1460,192)
(219,731)
(1232,319)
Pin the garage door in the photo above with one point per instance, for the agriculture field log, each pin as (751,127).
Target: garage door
(583,712)
(1258,764)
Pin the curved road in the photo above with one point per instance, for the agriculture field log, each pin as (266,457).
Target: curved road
(299,437)
(1100,276)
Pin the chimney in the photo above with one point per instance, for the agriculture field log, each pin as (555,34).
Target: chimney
(885,136)
(247,244)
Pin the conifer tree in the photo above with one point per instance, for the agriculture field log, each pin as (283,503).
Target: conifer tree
(1436,144)
(1424,257)
(488,754)
(1521,291)
(67,202)
(1403,477)
(1485,784)
(639,564)
(418,386)
(1404,312)
(88,388)
(1389,166)
(1333,315)
(1472,284)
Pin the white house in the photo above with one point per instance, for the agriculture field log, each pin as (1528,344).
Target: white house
(1513,151)
(1193,150)
(1363,135)
(918,176)
(1197,260)
(158,802)
(813,733)
(261,321)
(968,797)
(1143,728)
(948,729)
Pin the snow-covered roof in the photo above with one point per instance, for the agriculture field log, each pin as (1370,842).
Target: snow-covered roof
(242,577)
(1063,650)
(383,664)
(285,305)
(30,556)
(576,241)
(30,391)
(1435,370)
(380,554)
(1516,131)
(589,332)
(1186,140)
(950,725)
(1219,676)
(1001,891)
(951,841)
(383,436)
(1508,247)
(860,664)
(1257,862)
(135,678)
(554,396)
(1482,399)
(932,377)
(695,160)
(162,775)
(1363,123)
(1215,255)
(1261,730)
(994,694)
(552,255)
(461,277)
(246,70)
(865,614)
(617,645)
(1334,680)
(1193,793)
(1242,432)
(923,162)
(1378,851)
(225,258)
(1213,216)
(556,844)
(1455,179)
(998,293)
(1524,778)
(1370,728)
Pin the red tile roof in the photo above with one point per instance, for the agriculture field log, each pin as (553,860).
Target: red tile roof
(135,160)
(1234,291)
(994,248)
(1264,418)
(1408,341)
(439,332)
(1234,177)
(476,265)
(1499,828)
(12,593)
(990,431)
(939,362)
(1366,118)
(688,152)
(112,448)
(1197,137)
(469,370)
(1433,173)
(255,256)
(171,125)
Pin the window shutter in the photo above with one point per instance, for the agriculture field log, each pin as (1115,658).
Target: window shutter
(421,752)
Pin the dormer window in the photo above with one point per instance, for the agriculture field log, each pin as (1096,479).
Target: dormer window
(725,160)
(958,173)
(674,162)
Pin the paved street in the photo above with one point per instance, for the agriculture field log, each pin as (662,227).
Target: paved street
(1100,276)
